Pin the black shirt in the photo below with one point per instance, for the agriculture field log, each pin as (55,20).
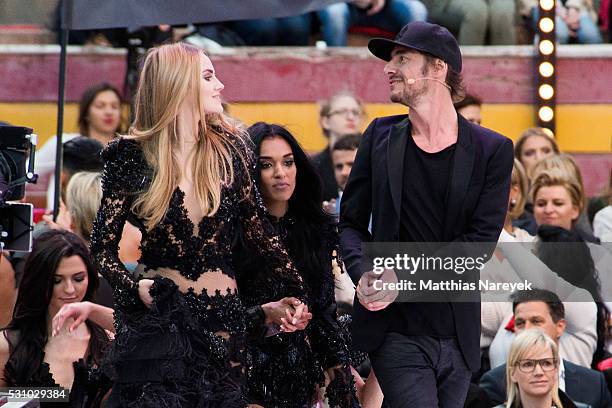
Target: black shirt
(427,177)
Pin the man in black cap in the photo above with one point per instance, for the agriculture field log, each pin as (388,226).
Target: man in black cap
(430,176)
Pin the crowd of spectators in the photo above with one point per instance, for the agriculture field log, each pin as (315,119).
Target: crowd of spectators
(474,22)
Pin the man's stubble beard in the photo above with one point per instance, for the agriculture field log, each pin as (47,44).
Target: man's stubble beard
(407,98)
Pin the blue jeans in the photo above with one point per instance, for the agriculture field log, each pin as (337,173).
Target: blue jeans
(337,18)
(421,371)
(588,33)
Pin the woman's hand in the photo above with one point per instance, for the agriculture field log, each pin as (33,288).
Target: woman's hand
(144,286)
(289,313)
(78,311)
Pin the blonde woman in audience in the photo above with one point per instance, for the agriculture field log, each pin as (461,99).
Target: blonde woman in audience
(567,165)
(532,373)
(533,145)
(562,261)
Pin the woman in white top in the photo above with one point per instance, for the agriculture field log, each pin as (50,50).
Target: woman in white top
(99,118)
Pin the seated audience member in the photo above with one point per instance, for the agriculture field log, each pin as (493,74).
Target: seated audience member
(389,15)
(469,107)
(532,373)
(58,271)
(543,310)
(80,154)
(99,119)
(471,20)
(574,20)
(533,145)
(567,165)
(343,156)
(340,115)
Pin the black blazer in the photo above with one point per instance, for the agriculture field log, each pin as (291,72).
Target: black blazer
(582,385)
(478,201)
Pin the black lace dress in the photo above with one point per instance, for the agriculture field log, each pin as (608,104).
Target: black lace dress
(89,387)
(287,369)
(188,349)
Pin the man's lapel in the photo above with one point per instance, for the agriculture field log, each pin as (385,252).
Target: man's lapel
(463,165)
(396,149)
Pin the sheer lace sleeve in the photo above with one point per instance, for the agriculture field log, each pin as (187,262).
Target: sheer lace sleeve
(328,339)
(258,231)
(325,333)
(123,171)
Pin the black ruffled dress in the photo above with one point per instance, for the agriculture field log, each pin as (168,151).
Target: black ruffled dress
(188,349)
(287,369)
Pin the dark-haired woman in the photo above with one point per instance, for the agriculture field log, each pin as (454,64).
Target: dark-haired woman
(288,365)
(57,272)
(99,118)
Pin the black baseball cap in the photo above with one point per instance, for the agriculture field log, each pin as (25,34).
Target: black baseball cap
(421,36)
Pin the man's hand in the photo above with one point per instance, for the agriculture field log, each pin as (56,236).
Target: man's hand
(375,299)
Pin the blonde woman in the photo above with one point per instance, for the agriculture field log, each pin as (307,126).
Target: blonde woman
(533,145)
(183,174)
(567,166)
(532,373)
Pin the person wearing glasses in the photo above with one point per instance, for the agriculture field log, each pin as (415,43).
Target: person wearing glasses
(340,115)
(532,372)
(542,309)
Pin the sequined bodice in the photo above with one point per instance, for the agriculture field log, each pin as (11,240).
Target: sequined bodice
(172,244)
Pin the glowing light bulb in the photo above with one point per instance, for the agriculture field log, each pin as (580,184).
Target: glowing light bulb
(547,4)
(547,47)
(546,69)
(546,113)
(547,25)
(546,91)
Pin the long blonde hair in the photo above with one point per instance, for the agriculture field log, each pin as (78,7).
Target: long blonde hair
(521,345)
(170,74)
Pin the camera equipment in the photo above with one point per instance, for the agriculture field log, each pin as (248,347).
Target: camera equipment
(17,148)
